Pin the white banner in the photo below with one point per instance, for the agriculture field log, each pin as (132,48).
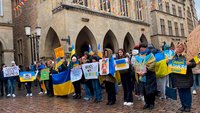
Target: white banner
(104,66)
(90,70)
(10,71)
(76,74)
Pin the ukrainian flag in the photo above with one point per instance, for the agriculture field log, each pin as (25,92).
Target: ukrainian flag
(161,65)
(58,63)
(121,63)
(90,50)
(27,76)
(62,84)
(99,53)
(73,51)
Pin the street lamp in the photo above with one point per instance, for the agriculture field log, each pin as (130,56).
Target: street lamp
(34,41)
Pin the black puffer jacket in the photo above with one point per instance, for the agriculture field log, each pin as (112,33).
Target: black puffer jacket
(184,81)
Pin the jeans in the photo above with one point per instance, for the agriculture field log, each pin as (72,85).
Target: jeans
(87,91)
(185,97)
(97,89)
(11,85)
(28,87)
(196,80)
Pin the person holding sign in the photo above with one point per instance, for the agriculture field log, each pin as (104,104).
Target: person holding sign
(145,73)
(96,85)
(126,80)
(109,79)
(77,84)
(11,83)
(184,82)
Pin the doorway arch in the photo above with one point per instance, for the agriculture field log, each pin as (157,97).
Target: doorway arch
(84,39)
(51,42)
(110,41)
(128,43)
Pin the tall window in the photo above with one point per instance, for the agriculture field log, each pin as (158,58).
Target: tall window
(139,9)
(1,8)
(124,7)
(170,28)
(20,51)
(105,5)
(182,30)
(174,9)
(162,23)
(167,7)
(160,5)
(176,28)
(180,11)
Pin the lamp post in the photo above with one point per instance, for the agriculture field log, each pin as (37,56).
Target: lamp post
(34,41)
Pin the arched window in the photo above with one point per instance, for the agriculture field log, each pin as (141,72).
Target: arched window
(139,7)
(105,5)
(124,7)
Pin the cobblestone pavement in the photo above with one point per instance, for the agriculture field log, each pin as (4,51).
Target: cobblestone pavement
(45,104)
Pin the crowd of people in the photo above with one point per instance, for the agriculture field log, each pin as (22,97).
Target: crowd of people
(145,85)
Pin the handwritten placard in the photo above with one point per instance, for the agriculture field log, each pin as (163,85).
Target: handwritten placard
(90,70)
(76,74)
(11,71)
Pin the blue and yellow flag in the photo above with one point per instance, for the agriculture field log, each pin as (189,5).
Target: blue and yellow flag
(112,66)
(161,65)
(62,84)
(58,63)
(27,76)
(90,50)
(73,51)
(99,53)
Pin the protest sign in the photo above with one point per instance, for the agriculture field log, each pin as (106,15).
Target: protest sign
(121,64)
(44,74)
(90,70)
(59,52)
(76,74)
(177,66)
(11,71)
(104,66)
(27,76)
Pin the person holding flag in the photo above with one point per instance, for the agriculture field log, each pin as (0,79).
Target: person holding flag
(109,79)
(145,73)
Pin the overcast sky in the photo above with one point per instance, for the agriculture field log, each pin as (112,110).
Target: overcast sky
(197,3)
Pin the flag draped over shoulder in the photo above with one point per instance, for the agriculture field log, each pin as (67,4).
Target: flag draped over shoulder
(112,66)
(62,84)
(144,60)
(161,65)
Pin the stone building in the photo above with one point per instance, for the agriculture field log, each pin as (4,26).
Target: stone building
(111,23)
(172,21)
(6,33)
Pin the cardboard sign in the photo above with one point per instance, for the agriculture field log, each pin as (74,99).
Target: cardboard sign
(121,64)
(76,74)
(27,76)
(90,70)
(104,66)
(44,74)
(59,52)
(177,66)
(11,71)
